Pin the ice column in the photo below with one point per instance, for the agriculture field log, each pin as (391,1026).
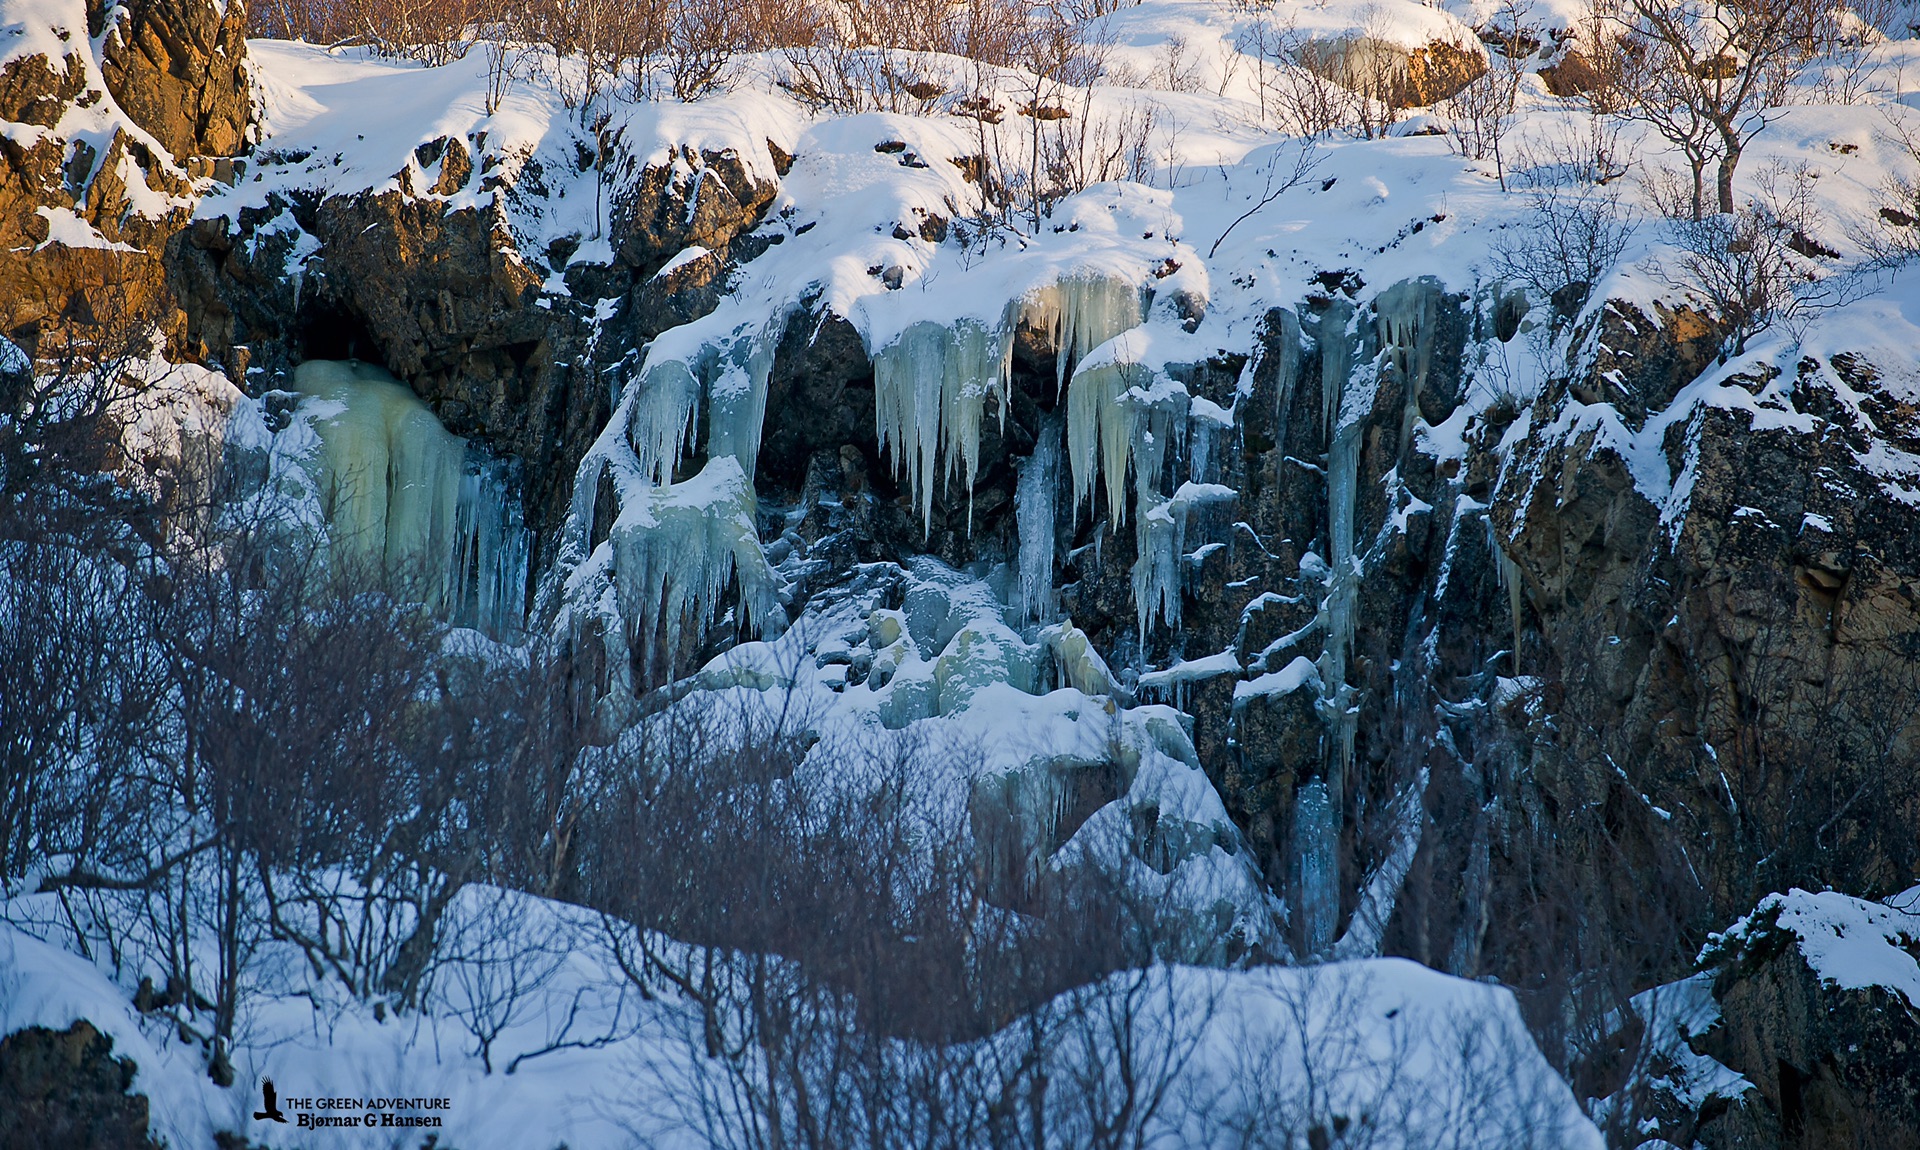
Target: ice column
(1034,497)
(390,473)
(1316,837)
(487,576)
(437,517)
(737,398)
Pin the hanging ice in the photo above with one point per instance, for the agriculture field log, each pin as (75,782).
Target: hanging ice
(1034,496)
(1156,573)
(1081,312)
(1342,436)
(737,397)
(932,381)
(1316,836)
(1161,535)
(435,517)
(676,549)
(486,584)
(1100,430)
(391,473)
(930,391)
(660,423)
(1507,572)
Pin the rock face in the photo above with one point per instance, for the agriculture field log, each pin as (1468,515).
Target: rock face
(1818,1011)
(82,224)
(179,69)
(1398,75)
(1745,652)
(444,296)
(65,1088)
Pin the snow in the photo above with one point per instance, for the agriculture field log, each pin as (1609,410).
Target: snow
(1849,943)
(1301,672)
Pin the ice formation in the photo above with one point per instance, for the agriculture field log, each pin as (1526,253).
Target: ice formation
(1100,426)
(1034,497)
(1162,533)
(737,398)
(486,585)
(1316,836)
(1507,572)
(930,392)
(932,381)
(435,516)
(731,377)
(1082,312)
(676,549)
(660,425)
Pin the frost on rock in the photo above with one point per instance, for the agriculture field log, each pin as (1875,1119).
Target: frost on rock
(413,502)
(677,548)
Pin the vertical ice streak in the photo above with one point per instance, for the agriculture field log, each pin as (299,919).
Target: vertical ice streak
(1034,498)
(1316,837)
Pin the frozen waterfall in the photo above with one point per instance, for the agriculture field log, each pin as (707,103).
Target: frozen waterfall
(676,549)
(930,391)
(932,381)
(1316,838)
(411,503)
(1034,499)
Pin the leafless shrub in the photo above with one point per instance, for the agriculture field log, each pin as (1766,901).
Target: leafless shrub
(1479,115)
(1758,265)
(1289,95)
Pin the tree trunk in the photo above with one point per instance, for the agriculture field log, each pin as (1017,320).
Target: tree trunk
(1728,160)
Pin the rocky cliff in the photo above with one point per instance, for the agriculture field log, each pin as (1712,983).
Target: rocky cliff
(1524,683)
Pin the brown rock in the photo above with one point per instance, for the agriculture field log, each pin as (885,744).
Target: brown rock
(65,1089)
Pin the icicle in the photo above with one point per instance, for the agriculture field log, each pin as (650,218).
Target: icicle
(487,578)
(1100,431)
(392,472)
(676,549)
(1507,573)
(1316,837)
(1082,312)
(661,424)
(1156,573)
(1161,537)
(1034,497)
(930,391)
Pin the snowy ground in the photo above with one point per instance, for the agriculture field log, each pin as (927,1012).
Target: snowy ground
(1385,1044)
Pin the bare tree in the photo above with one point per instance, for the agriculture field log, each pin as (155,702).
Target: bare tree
(1707,74)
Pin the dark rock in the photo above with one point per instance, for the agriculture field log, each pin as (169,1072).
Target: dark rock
(65,1089)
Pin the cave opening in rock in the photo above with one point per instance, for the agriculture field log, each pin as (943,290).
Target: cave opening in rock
(326,330)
